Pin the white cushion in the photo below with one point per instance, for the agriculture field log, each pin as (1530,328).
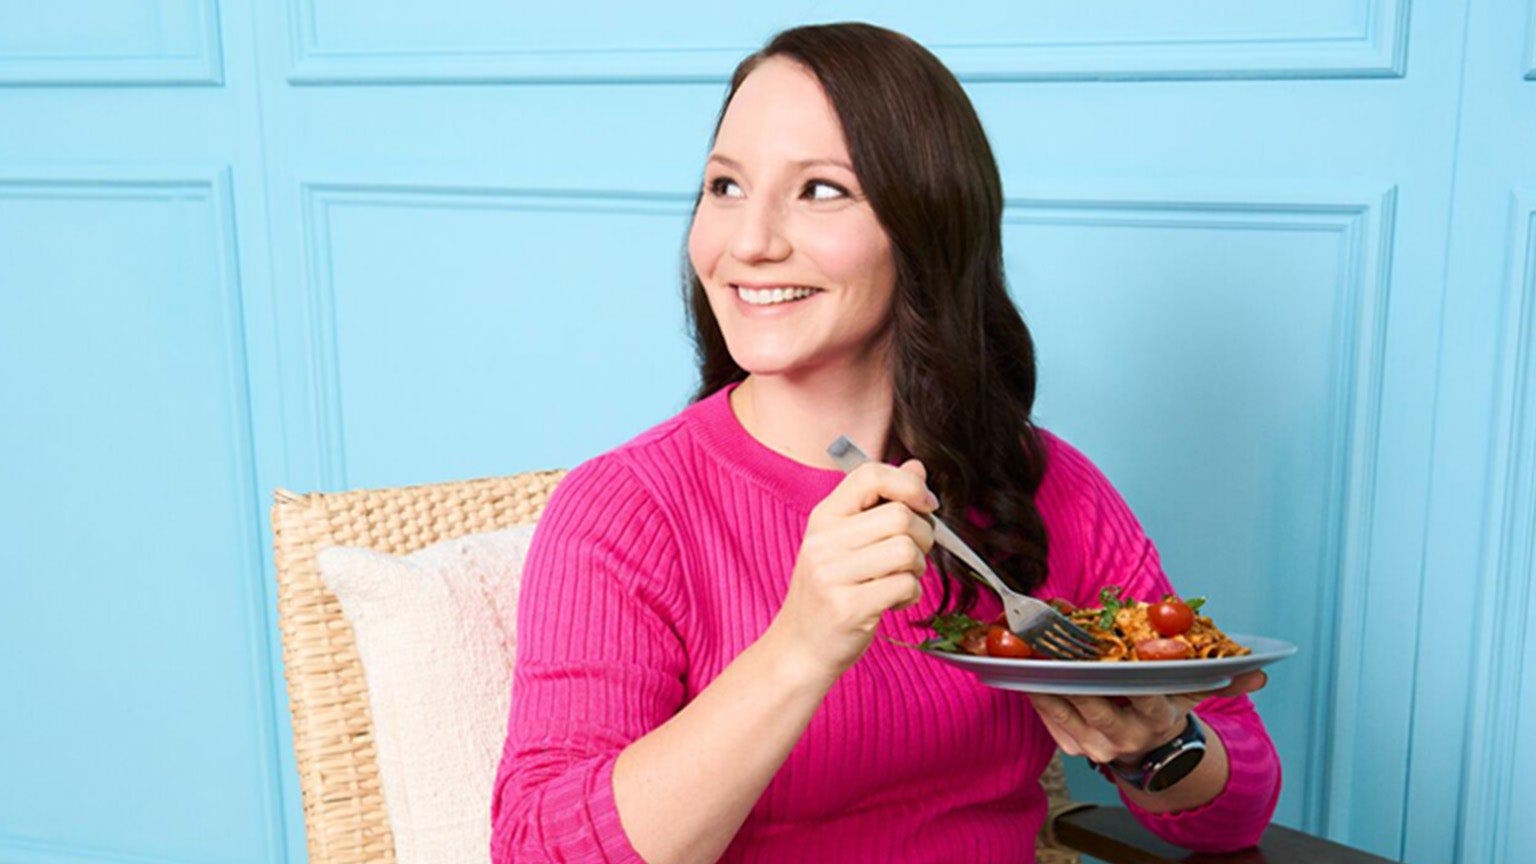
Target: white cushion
(436,634)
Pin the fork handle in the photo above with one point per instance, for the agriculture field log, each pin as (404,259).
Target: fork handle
(946,537)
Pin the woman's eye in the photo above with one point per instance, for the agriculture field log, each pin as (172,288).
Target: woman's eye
(816,190)
(718,186)
(835,190)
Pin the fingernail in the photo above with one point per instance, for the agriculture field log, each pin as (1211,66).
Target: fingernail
(933,500)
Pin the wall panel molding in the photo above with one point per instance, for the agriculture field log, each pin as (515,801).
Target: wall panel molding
(200,63)
(17,850)
(212,187)
(1505,616)
(319,201)
(1378,50)
(1365,225)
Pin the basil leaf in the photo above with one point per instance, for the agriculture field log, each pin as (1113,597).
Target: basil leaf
(1110,599)
(950,630)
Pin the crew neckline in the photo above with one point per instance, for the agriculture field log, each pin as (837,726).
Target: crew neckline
(796,482)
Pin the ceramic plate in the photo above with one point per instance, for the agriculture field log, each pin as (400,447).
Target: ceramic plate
(1119,679)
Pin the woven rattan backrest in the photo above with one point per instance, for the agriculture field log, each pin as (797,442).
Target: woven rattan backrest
(344,817)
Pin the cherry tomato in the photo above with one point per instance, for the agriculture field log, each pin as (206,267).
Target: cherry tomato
(1170,616)
(1164,649)
(1001,642)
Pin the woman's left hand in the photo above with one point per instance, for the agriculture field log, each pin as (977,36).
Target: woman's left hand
(1125,728)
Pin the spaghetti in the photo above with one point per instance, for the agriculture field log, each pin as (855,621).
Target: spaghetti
(1128,630)
(1125,630)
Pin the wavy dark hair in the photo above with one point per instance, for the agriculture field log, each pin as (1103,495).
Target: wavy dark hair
(964,359)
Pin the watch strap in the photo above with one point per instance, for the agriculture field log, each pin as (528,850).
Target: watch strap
(1164,765)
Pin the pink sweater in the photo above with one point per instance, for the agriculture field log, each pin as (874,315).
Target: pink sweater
(658,562)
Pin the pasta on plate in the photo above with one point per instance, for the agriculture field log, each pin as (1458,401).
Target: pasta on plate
(1126,630)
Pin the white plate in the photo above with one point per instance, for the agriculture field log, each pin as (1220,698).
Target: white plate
(1079,678)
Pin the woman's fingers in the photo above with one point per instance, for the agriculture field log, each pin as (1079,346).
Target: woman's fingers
(1153,706)
(1164,710)
(1072,733)
(897,591)
(1104,731)
(1247,682)
(1156,708)
(1099,713)
(891,519)
(1064,740)
(872,482)
(898,554)
(864,552)
(916,467)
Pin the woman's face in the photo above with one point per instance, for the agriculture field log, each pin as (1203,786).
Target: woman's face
(783,212)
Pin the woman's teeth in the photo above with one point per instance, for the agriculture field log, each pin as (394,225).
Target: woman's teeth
(770,296)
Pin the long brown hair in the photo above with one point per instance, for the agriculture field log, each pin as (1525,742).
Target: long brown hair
(964,360)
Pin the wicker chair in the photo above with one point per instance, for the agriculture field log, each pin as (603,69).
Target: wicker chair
(344,815)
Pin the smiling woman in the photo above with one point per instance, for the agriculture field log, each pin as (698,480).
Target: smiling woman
(697,677)
(848,160)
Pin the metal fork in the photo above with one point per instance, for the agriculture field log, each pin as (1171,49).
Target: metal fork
(1046,630)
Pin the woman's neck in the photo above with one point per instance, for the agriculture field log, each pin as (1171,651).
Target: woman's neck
(798,417)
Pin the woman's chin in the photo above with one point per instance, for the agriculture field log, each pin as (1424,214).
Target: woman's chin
(771,365)
(768,370)
(799,362)
(765,356)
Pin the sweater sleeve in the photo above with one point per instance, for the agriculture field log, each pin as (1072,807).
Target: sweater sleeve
(1116,551)
(599,664)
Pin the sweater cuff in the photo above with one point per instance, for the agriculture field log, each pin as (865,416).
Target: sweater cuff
(603,812)
(572,817)
(1240,812)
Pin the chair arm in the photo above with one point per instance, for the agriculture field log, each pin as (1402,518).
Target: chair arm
(1114,835)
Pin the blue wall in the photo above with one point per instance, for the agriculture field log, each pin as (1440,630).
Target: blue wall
(1280,261)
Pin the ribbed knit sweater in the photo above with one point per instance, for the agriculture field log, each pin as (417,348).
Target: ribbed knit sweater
(655,564)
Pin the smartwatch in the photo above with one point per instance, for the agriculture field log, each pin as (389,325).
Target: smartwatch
(1163,766)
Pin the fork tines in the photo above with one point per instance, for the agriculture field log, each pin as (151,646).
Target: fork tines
(1060,639)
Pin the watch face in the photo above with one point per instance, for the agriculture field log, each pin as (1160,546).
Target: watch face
(1175,769)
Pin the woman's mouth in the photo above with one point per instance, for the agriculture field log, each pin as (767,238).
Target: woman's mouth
(775,295)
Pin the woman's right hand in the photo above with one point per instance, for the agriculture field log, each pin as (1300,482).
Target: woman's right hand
(864,552)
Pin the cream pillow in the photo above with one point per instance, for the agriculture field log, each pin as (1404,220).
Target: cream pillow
(436,634)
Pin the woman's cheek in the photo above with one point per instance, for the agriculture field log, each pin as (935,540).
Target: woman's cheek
(704,245)
(855,253)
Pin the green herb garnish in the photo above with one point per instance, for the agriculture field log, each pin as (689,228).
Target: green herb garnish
(951,629)
(1109,598)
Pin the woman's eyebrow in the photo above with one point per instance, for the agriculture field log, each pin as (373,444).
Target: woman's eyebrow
(798,163)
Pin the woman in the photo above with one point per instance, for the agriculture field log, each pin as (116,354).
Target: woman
(697,676)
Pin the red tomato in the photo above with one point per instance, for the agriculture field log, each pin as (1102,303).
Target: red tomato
(1164,649)
(1001,642)
(1063,606)
(1170,617)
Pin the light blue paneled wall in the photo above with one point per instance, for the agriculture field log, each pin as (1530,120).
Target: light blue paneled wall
(1280,262)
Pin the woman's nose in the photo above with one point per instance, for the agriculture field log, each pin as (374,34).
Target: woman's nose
(760,233)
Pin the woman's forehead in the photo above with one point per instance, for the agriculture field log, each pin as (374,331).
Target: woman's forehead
(781,112)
